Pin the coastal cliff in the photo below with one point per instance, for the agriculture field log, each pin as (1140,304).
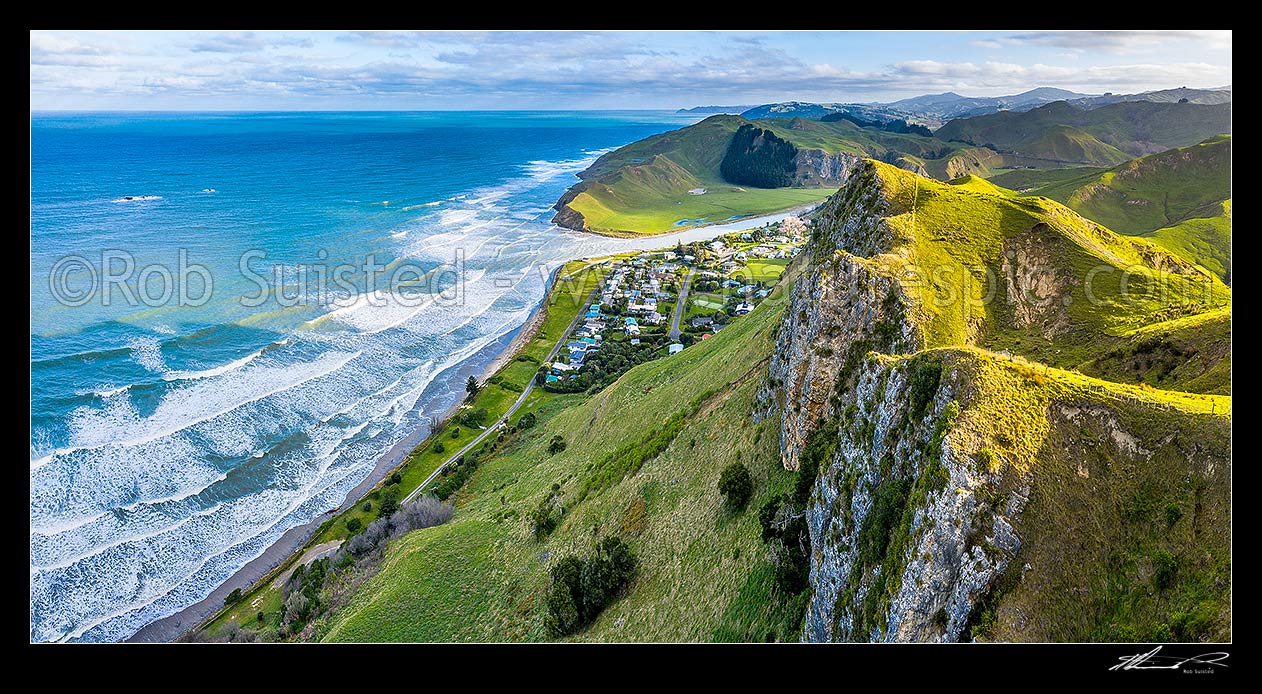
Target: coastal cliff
(976,495)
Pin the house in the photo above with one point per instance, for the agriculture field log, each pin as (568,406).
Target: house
(746,236)
(697,191)
(589,341)
(744,307)
(551,379)
(688,258)
(742,256)
(675,348)
(706,336)
(635,340)
(561,367)
(576,346)
(629,320)
(701,321)
(654,318)
(729,283)
(761,293)
(717,246)
(668,267)
(633,330)
(668,255)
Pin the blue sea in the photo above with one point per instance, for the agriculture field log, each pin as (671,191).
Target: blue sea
(200,383)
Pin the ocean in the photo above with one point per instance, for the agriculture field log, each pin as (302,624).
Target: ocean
(235,315)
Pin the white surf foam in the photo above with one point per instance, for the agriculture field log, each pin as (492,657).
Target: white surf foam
(220,370)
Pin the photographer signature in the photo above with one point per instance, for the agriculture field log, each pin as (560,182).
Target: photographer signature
(1152,661)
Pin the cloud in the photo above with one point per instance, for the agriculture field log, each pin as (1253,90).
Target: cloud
(531,69)
(234,42)
(994,77)
(246,42)
(993,45)
(1117,41)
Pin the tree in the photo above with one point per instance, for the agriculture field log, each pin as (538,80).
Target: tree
(389,504)
(472,387)
(527,421)
(735,484)
(439,447)
(556,445)
(353,525)
(233,598)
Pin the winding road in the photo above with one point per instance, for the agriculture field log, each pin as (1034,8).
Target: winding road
(530,386)
(681,305)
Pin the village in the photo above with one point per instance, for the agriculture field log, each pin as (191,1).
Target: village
(655,304)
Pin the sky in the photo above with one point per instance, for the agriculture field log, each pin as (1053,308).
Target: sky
(465,70)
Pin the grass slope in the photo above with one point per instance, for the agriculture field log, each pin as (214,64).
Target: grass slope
(1179,197)
(968,243)
(703,575)
(1191,354)
(642,188)
(1135,128)
(1113,497)
(576,281)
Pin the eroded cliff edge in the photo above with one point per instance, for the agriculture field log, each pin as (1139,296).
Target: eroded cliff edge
(973,494)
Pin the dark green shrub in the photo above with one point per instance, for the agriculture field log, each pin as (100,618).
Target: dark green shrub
(234,597)
(556,445)
(1164,565)
(736,485)
(353,525)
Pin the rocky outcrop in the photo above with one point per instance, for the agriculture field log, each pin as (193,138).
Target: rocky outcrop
(567,216)
(968,495)
(842,307)
(815,167)
(906,535)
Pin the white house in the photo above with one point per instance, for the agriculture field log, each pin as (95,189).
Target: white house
(675,348)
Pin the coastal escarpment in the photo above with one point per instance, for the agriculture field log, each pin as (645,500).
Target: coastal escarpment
(965,494)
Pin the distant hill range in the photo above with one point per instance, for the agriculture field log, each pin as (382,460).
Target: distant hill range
(933,110)
(1107,135)
(1193,96)
(951,105)
(709,110)
(727,166)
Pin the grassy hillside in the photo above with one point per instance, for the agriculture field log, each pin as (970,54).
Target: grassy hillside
(1124,533)
(1191,354)
(1202,240)
(703,573)
(643,188)
(1177,197)
(1025,180)
(1010,272)
(1135,128)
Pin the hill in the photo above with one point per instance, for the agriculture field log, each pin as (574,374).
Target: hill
(676,179)
(903,445)
(1195,96)
(970,494)
(1135,128)
(951,105)
(1180,198)
(714,109)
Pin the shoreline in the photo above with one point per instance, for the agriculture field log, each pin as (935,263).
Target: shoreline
(291,542)
(795,211)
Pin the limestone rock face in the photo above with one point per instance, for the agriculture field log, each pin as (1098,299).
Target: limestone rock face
(816,167)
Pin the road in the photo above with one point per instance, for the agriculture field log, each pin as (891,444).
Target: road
(530,386)
(681,305)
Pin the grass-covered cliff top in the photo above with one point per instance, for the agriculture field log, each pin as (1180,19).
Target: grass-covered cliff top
(1023,274)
